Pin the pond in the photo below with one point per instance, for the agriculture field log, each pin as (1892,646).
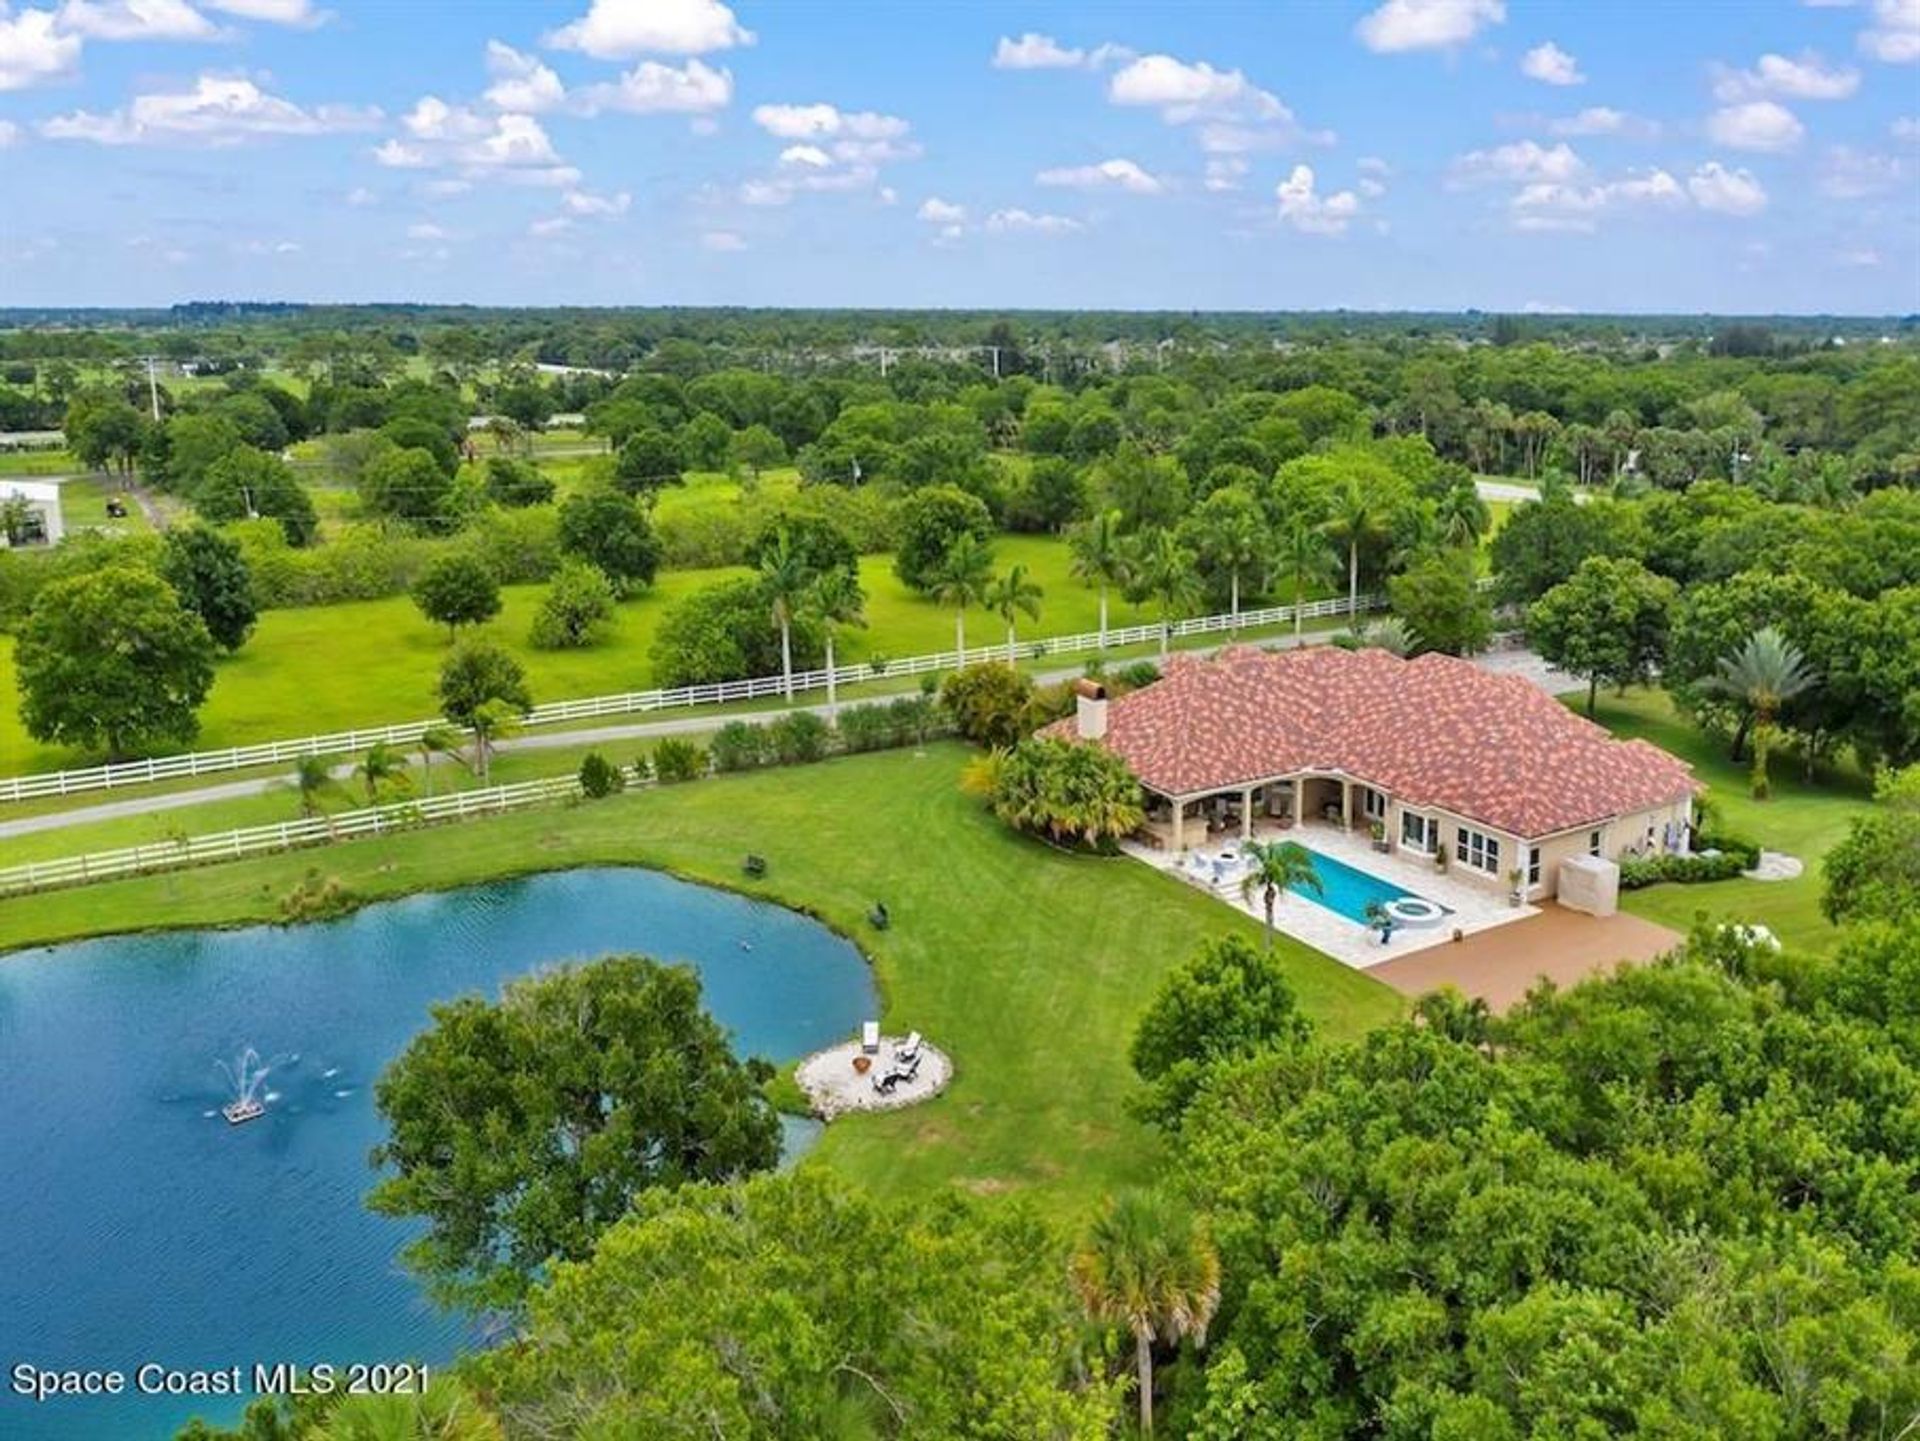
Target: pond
(136,1225)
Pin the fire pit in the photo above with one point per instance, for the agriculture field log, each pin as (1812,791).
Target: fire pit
(862,1064)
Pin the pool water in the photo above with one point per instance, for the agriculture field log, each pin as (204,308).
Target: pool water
(136,1225)
(1347,891)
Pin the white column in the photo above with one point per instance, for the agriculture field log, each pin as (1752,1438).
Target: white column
(1246,814)
(1179,820)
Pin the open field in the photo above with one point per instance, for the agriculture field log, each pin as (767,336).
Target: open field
(1801,819)
(1027,964)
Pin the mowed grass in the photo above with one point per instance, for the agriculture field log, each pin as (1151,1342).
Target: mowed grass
(1803,819)
(327,668)
(1027,965)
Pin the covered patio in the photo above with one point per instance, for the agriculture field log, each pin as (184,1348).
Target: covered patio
(1258,810)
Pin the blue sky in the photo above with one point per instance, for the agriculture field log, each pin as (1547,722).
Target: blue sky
(1504,154)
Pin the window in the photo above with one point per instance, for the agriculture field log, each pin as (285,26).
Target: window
(1477,849)
(1418,832)
(1373,803)
(1533,865)
(1593,843)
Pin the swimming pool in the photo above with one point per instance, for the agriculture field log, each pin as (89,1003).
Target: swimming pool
(1348,892)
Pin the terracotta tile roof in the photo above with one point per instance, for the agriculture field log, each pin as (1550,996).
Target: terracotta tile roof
(1432,731)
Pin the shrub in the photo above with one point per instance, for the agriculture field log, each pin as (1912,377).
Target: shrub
(738,746)
(726,632)
(1637,872)
(700,539)
(1139,673)
(600,777)
(611,531)
(517,483)
(575,610)
(989,703)
(317,898)
(930,521)
(914,718)
(867,728)
(1066,791)
(457,589)
(798,737)
(675,759)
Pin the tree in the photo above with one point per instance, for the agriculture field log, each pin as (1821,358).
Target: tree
(247,483)
(408,484)
(756,449)
(310,778)
(1542,544)
(648,462)
(1148,1264)
(784,578)
(1607,623)
(929,523)
(457,589)
(1461,515)
(1011,596)
(991,705)
(1304,561)
(1356,519)
(103,429)
(1874,874)
(1160,569)
(1099,553)
(777,1308)
(112,659)
(1272,868)
(1226,535)
(382,768)
(1765,673)
(726,632)
(520,1130)
(1148,490)
(434,740)
(1226,1002)
(961,580)
(609,530)
(575,610)
(834,599)
(1064,790)
(515,483)
(1440,600)
(211,578)
(482,689)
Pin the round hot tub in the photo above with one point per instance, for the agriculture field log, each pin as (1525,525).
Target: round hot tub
(1415,912)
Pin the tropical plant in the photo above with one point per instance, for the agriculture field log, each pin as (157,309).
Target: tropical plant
(434,740)
(1225,533)
(1765,673)
(785,574)
(1010,596)
(798,737)
(381,768)
(310,777)
(1160,569)
(600,777)
(1067,791)
(1273,867)
(675,759)
(1148,1264)
(1357,519)
(1460,515)
(961,580)
(835,599)
(1099,558)
(1304,562)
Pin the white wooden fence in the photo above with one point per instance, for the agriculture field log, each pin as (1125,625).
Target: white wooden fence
(341,743)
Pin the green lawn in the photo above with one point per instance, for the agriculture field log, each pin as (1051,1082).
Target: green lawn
(83,501)
(37,462)
(1029,966)
(1801,819)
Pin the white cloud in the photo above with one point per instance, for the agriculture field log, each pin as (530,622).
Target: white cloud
(425,230)
(360,197)
(726,242)
(1548,205)
(806,155)
(433,119)
(1114,174)
(1756,125)
(9,134)
(652,88)
(216,111)
(549,226)
(1185,92)
(936,211)
(814,122)
(520,81)
(33,50)
(1523,160)
(1427,24)
(1894,36)
(398,155)
(1807,78)
(1033,51)
(1604,120)
(1850,174)
(1727,192)
(1551,65)
(1016,221)
(1308,211)
(135,20)
(275,12)
(622,29)
(1907,128)
(581,202)
(445,188)
(1225,172)
(515,140)
(1864,256)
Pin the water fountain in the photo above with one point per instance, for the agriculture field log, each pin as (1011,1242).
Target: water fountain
(245,1076)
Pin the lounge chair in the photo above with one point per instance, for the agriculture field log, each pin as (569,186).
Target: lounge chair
(908,1051)
(869,1038)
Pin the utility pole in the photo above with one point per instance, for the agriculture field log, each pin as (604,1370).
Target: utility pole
(996,360)
(153,388)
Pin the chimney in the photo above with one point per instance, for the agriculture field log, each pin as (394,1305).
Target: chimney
(1090,709)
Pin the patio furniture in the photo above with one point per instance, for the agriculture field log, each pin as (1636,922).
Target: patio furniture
(870,1038)
(909,1049)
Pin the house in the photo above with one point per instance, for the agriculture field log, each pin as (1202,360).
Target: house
(1436,753)
(45,523)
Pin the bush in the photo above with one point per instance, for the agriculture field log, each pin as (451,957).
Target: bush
(517,483)
(930,521)
(739,746)
(457,589)
(798,738)
(914,718)
(675,759)
(702,539)
(989,703)
(1638,872)
(867,728)
(607,529)
(1140,673)
(818,542)
(726,632)
(575,610)
(317,898)
(600,777)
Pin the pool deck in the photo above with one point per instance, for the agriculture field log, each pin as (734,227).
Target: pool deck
(1475,908)
(1500,966)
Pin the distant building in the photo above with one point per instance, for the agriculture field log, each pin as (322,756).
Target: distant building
(48,524)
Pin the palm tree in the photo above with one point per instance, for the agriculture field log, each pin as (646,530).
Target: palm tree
(835,599)
(1304,561)
(1461,515)
(961,580)
(1766,672)
(444,1411)
(1226,534)
(434,740)
(1357,520)
(494,721)
(1273,867)
(382,764)
(1148,1264)
(1099,558)
(1159,568)
(785,575)
(1014,594)
(310,777)
(505,431)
